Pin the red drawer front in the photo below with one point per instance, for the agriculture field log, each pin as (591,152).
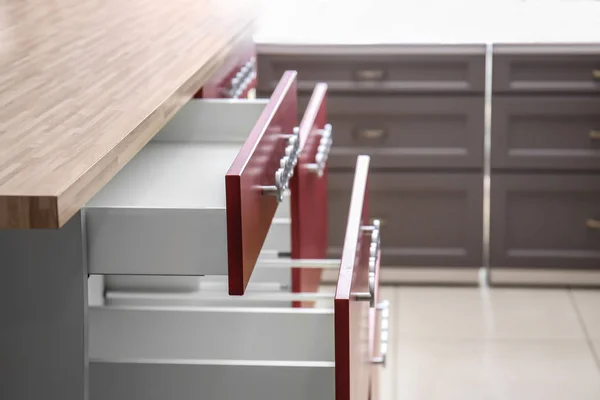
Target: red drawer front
(309,198)
(220,86)
(249,211)
(352,325)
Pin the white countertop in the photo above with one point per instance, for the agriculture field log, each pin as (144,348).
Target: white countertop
(313,24)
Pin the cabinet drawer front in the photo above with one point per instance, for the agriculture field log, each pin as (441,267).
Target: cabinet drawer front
(411,72)
(308,203)
(427,219)
(411,132)
(536,69)
(545,221)
(546,132)
(353,350)
(191,202)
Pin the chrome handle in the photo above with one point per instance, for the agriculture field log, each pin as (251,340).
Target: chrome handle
(286,168)
(374,253)
(371,134)
(322,151)
(596,73)
(384,307)
(592,223)
(370,74)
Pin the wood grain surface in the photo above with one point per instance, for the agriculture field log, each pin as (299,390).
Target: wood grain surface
(84,85)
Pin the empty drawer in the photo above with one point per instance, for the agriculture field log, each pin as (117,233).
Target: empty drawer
(546,68)
(176,209)
(427,219)
(412,132)
(545,221)
(227,353)
(414,69)
(546,132)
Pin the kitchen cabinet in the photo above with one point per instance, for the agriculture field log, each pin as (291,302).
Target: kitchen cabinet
(418,111)
(155,352)
(544,155)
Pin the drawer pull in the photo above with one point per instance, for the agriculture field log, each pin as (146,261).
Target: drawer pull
(371,134)
(594,134)
(374,252)
(596,74)
(286,169)
(592,223)
(370,74)
(322,151)
(384,307)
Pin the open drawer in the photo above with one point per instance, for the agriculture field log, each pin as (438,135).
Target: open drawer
(181,353)
(199,199)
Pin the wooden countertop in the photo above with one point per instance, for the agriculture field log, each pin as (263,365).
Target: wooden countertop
(84,85)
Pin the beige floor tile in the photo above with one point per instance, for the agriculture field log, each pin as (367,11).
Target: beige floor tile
(474,313)
(498,370)
(588,303)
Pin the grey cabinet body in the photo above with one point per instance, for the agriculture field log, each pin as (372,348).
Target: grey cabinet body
(419,113)
(545,193)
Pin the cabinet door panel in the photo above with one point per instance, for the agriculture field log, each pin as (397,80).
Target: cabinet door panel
(427,219)
(410,132)
(546,132)
(545,221)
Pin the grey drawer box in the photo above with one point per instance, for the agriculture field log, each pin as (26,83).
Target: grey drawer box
(411,132)
(427,219)
(408,72)
(552,132)
(539,68)
(546,221)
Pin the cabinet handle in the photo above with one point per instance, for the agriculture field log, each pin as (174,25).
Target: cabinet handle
(594,134)
(323,151)
(371,134)
(592,223)
(370,74)
(382,221)
(286,167)
(384,308)
(596,74)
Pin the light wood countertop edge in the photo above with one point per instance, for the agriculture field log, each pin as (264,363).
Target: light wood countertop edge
(43,212)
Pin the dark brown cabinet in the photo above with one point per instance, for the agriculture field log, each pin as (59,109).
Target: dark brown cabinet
(539,68)
(545,154)
(545,220)
(409,69)
(428,219)
(406,132)
(418,111)
(550,132)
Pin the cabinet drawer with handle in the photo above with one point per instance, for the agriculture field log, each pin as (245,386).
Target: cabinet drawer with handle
(199,199)
(427,219)
(179,353)
(546,221)
(546,132)
(409,132)
(411,69)
(299,225)
(535,68)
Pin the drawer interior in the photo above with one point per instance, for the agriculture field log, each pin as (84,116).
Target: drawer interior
(217,333)
(184,165)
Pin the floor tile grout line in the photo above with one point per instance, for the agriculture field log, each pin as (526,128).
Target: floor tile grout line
(586,332)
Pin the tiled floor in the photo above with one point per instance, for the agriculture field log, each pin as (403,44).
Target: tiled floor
(481,343)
